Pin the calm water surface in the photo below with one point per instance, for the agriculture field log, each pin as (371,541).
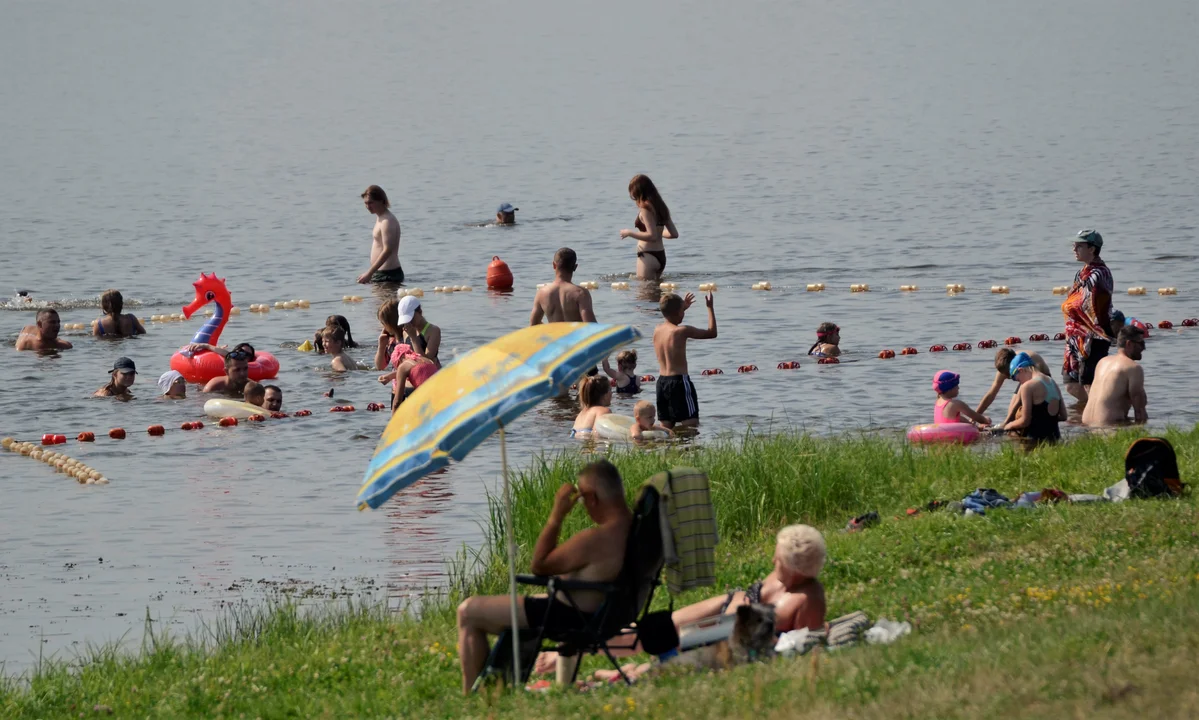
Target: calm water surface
(797,143)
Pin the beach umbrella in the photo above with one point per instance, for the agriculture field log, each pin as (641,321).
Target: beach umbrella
(482,392)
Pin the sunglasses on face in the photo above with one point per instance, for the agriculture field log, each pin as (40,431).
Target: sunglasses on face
(238,355)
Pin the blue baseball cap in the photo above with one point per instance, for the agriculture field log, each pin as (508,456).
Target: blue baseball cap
(507,208)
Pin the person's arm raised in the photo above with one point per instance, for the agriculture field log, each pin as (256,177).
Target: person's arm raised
(381,351)
(548,557)
(695,333)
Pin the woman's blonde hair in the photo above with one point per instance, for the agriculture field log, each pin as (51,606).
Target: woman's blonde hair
(801,548)
(626,358)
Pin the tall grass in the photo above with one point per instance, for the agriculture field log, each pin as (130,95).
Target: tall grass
(762,482)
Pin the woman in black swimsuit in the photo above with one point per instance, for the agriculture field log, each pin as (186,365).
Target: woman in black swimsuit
(653,225)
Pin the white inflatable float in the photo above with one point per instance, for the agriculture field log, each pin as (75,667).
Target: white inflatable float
(617,427)
(225,407)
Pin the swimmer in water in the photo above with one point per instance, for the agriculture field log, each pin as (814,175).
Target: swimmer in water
(1041,405)
(172,385)
(237,373)
(677,402)
(254,393)
(625,374)
(333,321)
(334,339)
(385,240)
(595,397)
(828,341)
(43,334)
(948,408)
(1003,360)
(644,418)
(653,225)
(506,214)
(124,372)
(116,324)
(273,399)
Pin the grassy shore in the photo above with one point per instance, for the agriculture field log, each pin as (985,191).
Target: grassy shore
(1060,611)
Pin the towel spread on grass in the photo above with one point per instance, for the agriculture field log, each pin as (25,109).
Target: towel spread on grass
(688,528)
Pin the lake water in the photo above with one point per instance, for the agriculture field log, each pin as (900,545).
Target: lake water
(836,142)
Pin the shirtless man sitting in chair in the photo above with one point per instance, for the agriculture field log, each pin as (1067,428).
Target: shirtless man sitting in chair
(595,554)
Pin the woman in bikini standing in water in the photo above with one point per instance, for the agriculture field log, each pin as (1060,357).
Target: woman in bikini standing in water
(653,226)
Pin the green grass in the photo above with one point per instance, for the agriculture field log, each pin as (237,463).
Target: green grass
(1059,611)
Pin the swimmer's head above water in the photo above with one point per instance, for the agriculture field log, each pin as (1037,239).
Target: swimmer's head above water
(643,192)
(595,390)
(626,361)
(826,334)
(1021,367)
(505,214)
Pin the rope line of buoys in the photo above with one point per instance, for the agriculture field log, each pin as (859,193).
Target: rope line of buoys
(63,463)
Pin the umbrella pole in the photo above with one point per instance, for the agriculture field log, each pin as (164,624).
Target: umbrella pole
(516,667)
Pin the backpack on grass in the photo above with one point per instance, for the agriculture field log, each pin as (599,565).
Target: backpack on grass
(1151,469)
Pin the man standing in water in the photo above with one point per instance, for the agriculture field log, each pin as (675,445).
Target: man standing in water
(562,300)
(43,335)
(385,248)
(1119,383)
(1088,313)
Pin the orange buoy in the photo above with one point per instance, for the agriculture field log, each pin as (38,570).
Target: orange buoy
(48,439)
(301,413)
(256,418)
(789,365)
(1038,337)
(828,361)
(278,415)
(938,348)
(228,422)
(499,276)
(1013,340)
(987,343)
(648,378)
(1165,325)
(156,430)
(86,437)
(962,346)
(1059,336)
(886,354)
(713,371)
(747,368)
(909,351)
(117,433)
(1190,322)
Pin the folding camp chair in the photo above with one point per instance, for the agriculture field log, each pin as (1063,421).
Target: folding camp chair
(618,622)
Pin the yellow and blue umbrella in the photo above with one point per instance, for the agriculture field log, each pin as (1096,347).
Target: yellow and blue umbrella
(482,391)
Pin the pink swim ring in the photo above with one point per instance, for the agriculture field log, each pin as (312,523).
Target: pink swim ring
(943,434)
(202,366)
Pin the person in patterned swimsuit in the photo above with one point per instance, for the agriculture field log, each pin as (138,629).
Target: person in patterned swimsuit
(1087,310)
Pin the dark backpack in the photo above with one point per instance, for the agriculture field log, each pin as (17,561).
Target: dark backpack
(1151,469)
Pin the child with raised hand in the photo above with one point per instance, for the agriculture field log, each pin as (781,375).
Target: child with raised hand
(643,420)
(948,408)
(627,382)
(677,402)
(595,397)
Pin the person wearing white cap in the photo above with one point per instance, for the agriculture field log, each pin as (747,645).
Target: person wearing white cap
(421,335)
(171,384)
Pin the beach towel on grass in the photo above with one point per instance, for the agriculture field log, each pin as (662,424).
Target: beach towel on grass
(688,528)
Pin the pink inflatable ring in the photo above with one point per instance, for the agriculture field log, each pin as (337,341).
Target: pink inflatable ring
(943,434)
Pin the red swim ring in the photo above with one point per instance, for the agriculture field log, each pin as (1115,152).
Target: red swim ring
(204,365)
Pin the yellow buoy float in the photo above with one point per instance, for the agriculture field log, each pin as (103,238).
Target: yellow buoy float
(908,288)
(764,285)
(1136,291)
(859,288)
(1167,291)
(1000,290)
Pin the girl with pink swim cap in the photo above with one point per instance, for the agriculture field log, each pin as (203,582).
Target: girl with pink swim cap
(948,408)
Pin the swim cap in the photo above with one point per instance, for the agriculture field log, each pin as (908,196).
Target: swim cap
(166,380)
(944,381)
(1022,360)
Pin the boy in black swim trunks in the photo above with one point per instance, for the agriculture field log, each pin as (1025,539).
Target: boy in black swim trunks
(677,403)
